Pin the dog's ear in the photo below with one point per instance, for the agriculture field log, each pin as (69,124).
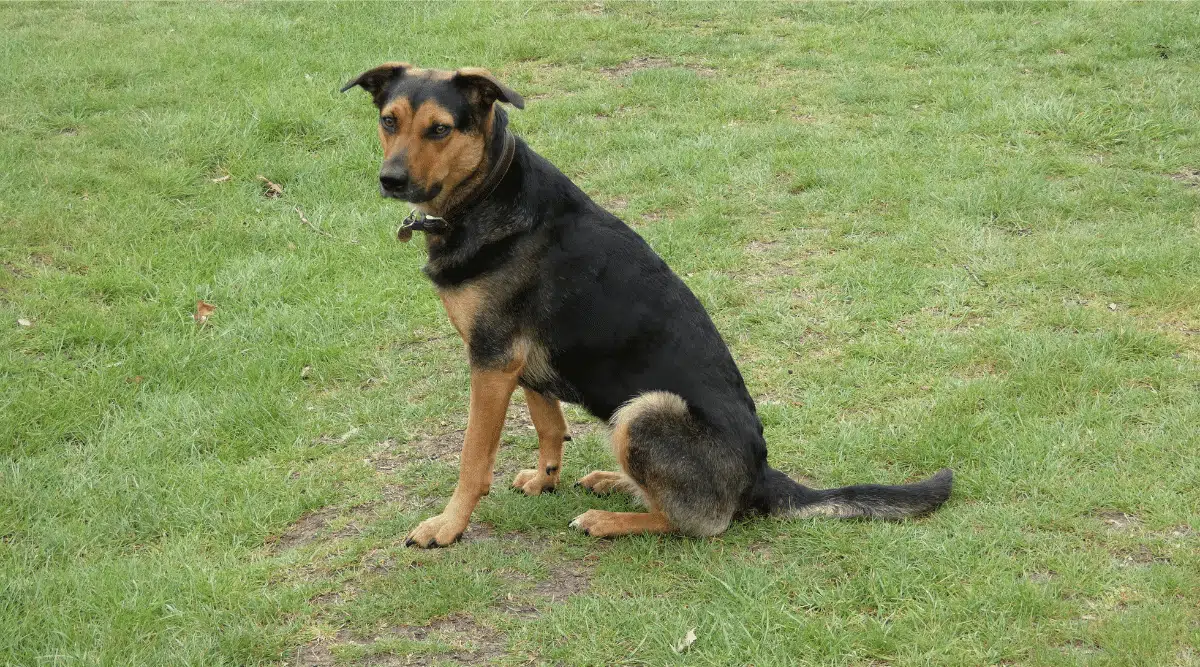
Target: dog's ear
(375,81)
(484,88)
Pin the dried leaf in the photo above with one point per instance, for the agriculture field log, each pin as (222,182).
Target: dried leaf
(687,641)
(305,372)
(24,322)
(203,310)
(1112,306)
(273,189)
(222,179)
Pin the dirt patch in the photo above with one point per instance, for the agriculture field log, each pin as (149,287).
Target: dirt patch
(338,439)
(564,581)
(615,204)
(759,247)
(1042,576)
(1080,646)
(518,420)
(650,62)
(1141,556)
(488,644)
(1188,176)
(314,654)
(1119,521)
(312,527)
(635,65)
(1179,533)
(15,270)
(473,644)
(304,531)
(445,447)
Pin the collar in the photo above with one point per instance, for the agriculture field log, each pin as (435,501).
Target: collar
(431,224)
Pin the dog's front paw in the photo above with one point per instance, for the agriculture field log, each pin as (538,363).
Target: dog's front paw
(439,531)
(534,482)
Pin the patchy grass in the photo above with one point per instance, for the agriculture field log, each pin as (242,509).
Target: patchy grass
(933,234)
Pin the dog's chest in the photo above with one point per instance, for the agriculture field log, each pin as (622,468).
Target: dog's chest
(463,306)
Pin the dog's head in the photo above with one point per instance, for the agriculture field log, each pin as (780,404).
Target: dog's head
(435,126)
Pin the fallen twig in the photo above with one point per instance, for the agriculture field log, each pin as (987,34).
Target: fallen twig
(975,276)
(311,225)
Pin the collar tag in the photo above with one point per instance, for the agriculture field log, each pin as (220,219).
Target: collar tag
(419,222)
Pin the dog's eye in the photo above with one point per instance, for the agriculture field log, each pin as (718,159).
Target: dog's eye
(388,123)
(439,130)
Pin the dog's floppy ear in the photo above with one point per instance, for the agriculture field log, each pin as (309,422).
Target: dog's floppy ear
(486,88)
(375,81)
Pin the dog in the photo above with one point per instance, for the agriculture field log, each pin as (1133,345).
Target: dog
(553,294)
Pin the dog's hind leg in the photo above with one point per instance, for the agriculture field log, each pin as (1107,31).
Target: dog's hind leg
(677,467)
(547,417)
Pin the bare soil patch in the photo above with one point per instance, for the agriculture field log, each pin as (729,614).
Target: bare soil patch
(650,62)
(1119,521)
(1188,176)
(304,531)
(1140,556)
(474,644)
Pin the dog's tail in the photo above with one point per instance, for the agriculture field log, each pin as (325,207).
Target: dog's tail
(783,496)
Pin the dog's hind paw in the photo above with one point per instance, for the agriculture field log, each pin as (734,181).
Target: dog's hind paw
(602,482)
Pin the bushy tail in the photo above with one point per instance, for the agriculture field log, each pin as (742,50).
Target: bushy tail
(783,496)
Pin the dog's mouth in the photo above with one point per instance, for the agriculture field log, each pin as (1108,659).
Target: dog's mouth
(411,194)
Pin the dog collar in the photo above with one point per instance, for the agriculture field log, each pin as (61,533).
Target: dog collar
(431,224)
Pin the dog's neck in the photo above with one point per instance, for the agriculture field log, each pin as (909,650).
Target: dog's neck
(479,231)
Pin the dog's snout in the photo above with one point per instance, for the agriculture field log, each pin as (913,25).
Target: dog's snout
(393,181)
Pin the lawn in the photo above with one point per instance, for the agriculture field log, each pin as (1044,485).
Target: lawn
(932,234)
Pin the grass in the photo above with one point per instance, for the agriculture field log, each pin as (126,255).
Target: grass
(932,234)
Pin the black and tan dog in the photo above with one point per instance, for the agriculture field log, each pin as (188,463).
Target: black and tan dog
(554,294)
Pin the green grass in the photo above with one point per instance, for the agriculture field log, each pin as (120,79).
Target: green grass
(933,235)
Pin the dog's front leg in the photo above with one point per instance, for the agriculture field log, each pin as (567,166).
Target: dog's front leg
(490,393)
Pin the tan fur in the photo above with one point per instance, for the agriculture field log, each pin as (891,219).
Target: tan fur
(547,416)
(455,162)
(599,523)
(462,306)
(491,391)
(602,482)
(537,361)
(651,401)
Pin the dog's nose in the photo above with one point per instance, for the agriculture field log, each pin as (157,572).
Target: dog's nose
(393,181)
